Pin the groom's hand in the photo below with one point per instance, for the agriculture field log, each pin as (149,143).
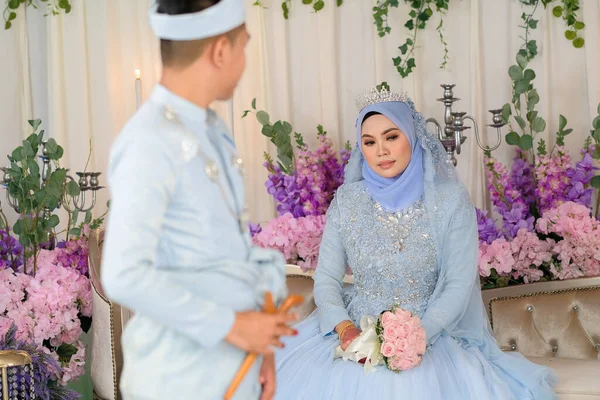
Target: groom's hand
(258,332)
(267,377)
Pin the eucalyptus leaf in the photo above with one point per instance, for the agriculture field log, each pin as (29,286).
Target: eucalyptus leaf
(515,73)
(17,154)
(75,232)
(520,121)
(254,103)
(18,227)
(529,74)
(73,189)
(595,182)
(51,146)
(53,221)
(526,142)
(35,123)
(522,61)
(88,217)
(246,112)
(287,128)
(506,112)
(263,118)
(521,86)
(34,168)
(538,125)
(532,47)
(562,122)
(268,131)
(531,115)
(532,99)
(513,138)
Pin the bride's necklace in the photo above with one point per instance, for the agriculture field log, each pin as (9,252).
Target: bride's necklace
(399,224)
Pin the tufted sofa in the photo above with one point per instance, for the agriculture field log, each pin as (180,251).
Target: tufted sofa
(555,324)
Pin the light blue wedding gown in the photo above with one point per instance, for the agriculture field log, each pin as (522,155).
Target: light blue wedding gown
(424,259)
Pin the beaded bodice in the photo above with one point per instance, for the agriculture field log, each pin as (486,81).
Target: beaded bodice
(392,255)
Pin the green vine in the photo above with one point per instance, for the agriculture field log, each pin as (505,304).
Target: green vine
(421,12)
(286,5)
(525,96)
(54,8)
(567,11)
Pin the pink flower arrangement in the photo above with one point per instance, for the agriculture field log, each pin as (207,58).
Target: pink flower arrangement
(47,309)
(578,253)
(564,244)
(403,339)
(298,239)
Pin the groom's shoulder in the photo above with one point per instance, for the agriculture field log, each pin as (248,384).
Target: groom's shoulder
(149,132)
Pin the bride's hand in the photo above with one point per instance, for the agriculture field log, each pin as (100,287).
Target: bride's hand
(348,337)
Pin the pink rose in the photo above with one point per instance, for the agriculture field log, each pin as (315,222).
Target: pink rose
(406,363)
(388,349)
(402,345)
(391,332)
(403,315)
(387,318)
(394,363)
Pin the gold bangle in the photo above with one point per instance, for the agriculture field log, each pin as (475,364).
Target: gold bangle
(349,324)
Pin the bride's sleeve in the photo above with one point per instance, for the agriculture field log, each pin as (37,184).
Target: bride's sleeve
(330,273)
(458,272)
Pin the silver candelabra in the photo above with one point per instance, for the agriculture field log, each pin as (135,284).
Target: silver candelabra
(88,182)
(451,135)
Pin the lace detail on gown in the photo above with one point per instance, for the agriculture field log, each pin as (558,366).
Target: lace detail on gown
(392,255)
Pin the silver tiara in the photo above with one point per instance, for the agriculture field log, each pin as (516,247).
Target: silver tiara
(375,96)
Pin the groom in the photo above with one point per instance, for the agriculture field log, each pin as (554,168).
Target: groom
(177,250)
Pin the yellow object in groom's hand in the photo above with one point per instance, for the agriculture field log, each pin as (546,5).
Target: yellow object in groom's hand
(269,308)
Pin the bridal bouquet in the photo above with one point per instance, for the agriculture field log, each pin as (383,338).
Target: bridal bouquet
(396,339)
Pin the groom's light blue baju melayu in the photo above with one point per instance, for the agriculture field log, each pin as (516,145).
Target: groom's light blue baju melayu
(177,250)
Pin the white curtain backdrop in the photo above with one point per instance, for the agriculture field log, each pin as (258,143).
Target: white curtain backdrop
(76,72)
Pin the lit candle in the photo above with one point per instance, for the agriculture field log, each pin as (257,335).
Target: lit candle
(138,89)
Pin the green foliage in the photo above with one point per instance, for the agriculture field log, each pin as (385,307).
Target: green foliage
(280,134)
(420,13)
(55,7)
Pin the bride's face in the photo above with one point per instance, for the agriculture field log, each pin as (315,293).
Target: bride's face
(385,148)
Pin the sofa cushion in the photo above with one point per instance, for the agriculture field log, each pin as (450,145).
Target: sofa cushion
(575,377)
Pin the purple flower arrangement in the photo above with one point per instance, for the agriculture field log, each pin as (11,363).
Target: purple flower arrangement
(547,229)
(309,187)
(302,183)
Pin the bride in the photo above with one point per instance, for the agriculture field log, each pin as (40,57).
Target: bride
(406,226)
